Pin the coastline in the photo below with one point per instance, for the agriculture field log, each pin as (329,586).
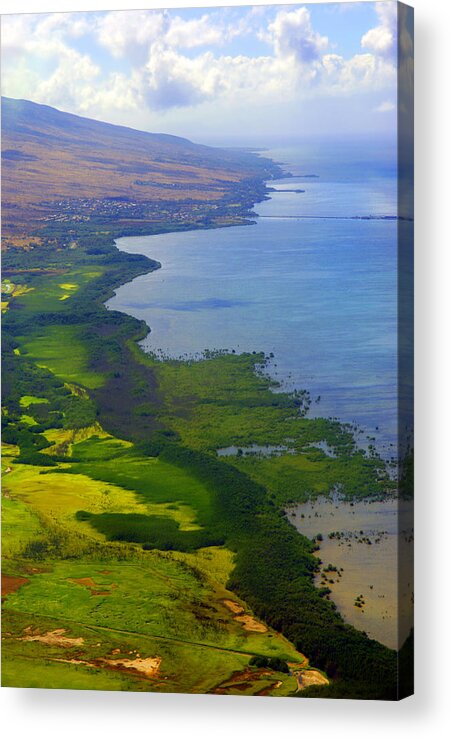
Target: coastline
(246,520)
(165,308)
(249,220)
(202,357)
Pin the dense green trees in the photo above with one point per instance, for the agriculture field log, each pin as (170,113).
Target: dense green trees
(265,662)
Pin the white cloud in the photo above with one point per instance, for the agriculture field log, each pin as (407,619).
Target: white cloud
(172,62)
(385,107)
(115,94)
(173,80)
(40,64)
(291,34)
(129,34)
(192,33)
(132,34)
(71,82)
(360,73)
(382,40)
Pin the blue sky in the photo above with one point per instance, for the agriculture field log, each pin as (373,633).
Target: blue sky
(213,73)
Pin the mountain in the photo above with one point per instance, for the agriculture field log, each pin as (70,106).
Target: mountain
(49,156)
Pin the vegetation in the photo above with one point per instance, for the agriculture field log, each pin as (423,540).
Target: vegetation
(161,488)
(130,545)
(274,663)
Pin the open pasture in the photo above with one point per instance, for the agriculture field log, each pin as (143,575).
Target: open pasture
(60,349)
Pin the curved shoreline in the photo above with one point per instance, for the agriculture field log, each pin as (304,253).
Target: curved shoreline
(362,416)
(155,408)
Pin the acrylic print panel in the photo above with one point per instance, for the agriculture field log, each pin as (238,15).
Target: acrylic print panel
(207,383)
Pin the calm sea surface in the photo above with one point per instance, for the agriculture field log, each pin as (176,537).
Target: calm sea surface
(309,282)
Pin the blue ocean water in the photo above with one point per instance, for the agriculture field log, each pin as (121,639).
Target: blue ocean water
(311,282)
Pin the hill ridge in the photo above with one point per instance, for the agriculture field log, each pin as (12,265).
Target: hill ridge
(58,165)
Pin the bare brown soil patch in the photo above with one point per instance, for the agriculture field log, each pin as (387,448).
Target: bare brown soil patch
(76,661)
(144,668)
(309,677)
(234,607)
(54,638)
(87,582)
(12,584)
(240,680)
(239,676)
(149,666)
(247,621)
(250,623)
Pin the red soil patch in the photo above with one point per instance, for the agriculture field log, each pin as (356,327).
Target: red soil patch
(90,584)
(12,584)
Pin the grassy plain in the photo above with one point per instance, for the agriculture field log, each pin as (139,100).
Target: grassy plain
(61,350)
(121,602)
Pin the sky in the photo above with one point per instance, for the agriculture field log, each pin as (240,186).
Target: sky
(237,73)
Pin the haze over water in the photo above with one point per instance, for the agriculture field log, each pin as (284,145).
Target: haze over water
(317,289)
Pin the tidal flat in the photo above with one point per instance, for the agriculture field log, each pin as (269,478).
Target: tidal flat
(360,546)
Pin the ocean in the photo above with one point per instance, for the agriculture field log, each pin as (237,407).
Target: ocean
(313,282)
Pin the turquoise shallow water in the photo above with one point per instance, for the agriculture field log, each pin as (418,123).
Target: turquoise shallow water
(318,288)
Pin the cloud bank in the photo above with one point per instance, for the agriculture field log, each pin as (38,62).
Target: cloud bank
(101,63)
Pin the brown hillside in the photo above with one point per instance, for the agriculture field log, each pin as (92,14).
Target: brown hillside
(50,157)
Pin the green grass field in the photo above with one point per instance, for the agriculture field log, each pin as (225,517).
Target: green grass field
(154,481)
(54,293)
(61,349)
(159,596)
(169,605)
